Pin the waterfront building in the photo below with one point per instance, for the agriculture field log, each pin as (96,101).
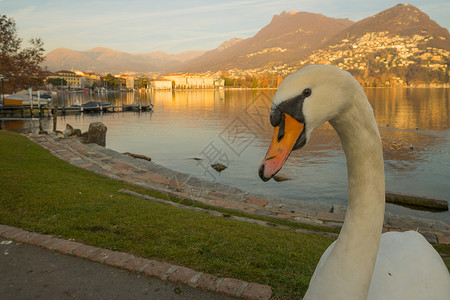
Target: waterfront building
(125,81)
(191,81)
(91,79)
(73,79)
(161,84)
(130,82)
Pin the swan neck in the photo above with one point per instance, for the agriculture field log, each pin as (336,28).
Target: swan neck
(349,266)
(361,233)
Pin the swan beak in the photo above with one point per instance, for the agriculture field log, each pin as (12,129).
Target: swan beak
(284,140)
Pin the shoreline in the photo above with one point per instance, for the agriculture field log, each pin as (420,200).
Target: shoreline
(150,175)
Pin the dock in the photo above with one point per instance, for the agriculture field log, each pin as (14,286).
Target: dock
(27,112)
(105,109)
(137,107)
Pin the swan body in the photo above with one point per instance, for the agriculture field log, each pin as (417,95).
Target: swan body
(396,278)
(362,263)
(408,267)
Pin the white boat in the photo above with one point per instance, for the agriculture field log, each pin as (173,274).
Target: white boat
(24,100)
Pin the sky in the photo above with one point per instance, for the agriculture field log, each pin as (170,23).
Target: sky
(174,26)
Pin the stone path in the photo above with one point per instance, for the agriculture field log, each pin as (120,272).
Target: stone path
(228,287)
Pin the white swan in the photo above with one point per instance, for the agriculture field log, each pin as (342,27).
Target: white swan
(362,263)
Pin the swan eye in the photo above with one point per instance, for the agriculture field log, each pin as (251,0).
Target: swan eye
(306,93)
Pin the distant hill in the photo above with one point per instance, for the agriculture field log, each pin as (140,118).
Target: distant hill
(289,36)
(103,60)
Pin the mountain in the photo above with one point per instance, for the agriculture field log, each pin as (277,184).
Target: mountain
(289,36)
(398,46)
(400,20)
(102,60)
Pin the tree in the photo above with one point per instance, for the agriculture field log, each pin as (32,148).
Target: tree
(142,82)
(20,66)
(111,82)
(265,81)
(57,81)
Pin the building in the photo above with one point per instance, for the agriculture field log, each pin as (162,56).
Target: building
(190,81)
(125,81)
(73,79)
(219,83)
(179,80)
(92,79)
(130,82)
(161,84)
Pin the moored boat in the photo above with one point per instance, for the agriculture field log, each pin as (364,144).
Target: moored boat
(24,100)
(89,106)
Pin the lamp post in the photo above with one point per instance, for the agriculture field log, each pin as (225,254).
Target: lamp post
(1,79)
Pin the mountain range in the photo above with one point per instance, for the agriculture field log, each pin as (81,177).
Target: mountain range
(289,38)
(105,60)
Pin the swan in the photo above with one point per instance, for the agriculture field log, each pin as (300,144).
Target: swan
(362,263)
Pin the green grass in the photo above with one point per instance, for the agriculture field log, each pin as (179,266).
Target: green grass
(444,249)
(277,221)
(42,193)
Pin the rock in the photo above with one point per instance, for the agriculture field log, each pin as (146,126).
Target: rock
(140,156)
(431,238)
(57,135)
(97,133)
(77,132)
(281,177)
(339,209)
(416,201)
(257,201)
(84,137)
(218,167)
(68,131)
(443,239)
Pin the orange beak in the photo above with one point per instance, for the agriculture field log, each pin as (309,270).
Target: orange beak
(283,141)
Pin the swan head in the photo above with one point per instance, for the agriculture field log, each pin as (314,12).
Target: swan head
(305,100)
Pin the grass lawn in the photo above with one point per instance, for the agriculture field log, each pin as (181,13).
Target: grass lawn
(42,193)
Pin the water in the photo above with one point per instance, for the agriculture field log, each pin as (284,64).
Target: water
(232,127)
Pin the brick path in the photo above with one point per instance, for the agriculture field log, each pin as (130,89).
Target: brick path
(162,270)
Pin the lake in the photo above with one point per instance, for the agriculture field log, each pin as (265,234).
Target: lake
(232,127)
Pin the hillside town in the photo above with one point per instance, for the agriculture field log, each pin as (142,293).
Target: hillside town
(379,53)
(375,59)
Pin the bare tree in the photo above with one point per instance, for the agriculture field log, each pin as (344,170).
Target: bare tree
(20,66)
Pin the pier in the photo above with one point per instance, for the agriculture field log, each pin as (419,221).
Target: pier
(26,112)
(104,108)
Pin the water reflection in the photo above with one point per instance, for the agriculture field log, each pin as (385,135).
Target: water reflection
(236,122)
(117,98)
(411,108)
